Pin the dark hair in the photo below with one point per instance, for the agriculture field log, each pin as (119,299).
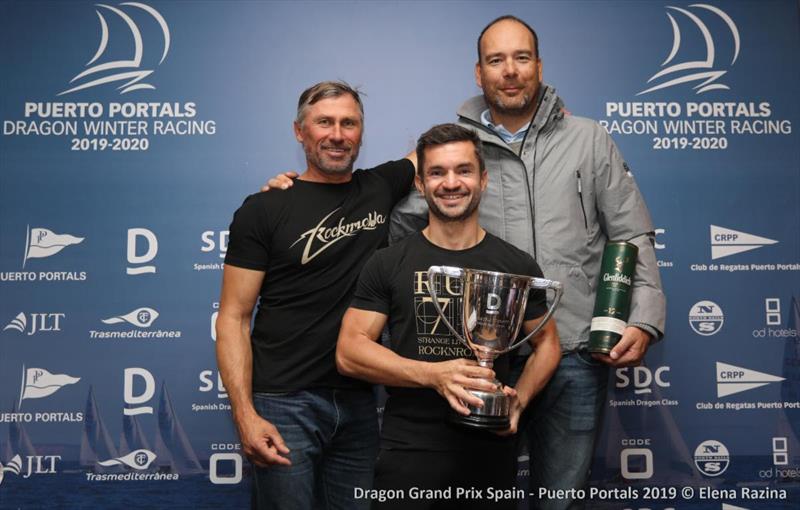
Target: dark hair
(323,90)
(509,17)
(442,134)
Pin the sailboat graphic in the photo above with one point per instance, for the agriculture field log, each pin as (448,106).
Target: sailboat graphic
(96,444)
(17,441)
(698,70)
(174,451)
(129,71)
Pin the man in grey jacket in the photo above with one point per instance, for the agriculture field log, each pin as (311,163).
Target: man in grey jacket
(558,189)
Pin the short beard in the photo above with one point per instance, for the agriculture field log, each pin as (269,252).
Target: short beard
(444,218)
(311,156)
(497,103)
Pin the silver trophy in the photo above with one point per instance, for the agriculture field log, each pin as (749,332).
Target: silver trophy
(492,313)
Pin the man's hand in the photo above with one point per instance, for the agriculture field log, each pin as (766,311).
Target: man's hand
(515,411)
(280,181)
(261,442)
(630,349)
(453,378)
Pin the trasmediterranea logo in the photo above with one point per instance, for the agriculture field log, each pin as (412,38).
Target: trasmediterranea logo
(706,318)
(41,243)
(707,71)
(101,70)
(139,460)
(134,324)
(134,40)
(702,60)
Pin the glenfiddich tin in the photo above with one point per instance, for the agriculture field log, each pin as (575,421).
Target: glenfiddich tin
(612,303)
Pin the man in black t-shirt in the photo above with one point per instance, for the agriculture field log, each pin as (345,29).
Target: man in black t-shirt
(426,370)
(310,432)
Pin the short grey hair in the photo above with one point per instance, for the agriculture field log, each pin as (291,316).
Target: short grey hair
(324,90)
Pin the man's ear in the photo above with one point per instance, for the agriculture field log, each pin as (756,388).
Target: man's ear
(298,132)
(418,184)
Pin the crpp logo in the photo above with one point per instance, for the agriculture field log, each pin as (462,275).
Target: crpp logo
(134,398)
(132,71)
(706,71)
(146,239)
(642,378)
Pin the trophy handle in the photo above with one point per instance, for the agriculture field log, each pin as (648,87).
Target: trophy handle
(542,283)
(454,272)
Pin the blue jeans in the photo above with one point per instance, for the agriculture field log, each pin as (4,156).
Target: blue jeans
(564,419)
(333,438)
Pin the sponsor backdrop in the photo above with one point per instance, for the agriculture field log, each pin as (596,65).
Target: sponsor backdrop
(131,132)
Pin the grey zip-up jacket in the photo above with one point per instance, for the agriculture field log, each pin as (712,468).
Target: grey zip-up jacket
(566,194)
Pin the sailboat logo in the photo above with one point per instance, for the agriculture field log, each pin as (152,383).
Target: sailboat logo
(130,72)
(706,71)
(13,466)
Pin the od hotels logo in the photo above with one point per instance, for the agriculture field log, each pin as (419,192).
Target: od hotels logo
(773,316)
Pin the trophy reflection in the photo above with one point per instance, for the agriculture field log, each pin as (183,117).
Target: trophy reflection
(492,313)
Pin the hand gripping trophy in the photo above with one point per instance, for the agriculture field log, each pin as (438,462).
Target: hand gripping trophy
(492,313)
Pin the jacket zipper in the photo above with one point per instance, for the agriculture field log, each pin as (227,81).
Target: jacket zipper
(580,199)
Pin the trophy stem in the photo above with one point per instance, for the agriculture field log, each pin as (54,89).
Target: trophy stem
(486,362)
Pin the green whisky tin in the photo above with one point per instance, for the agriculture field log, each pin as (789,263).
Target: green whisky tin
(612,304)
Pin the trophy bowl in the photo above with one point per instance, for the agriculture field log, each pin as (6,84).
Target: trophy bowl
(492,312)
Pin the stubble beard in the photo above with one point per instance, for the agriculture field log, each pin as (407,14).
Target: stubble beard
(343,167)
(446,218)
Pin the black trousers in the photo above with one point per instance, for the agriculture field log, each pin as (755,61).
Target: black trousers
(431,480)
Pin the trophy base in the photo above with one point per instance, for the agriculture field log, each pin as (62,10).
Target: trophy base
(479,422)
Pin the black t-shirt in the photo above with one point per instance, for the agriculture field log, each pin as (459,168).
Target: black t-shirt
(312,241)
(394,283)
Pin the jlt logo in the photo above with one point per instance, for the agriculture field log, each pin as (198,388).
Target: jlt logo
(35,465)
(39,322)
(134,399)
(210,243)
(137,259)
(642,378)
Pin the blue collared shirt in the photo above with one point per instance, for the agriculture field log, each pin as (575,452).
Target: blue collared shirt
(505,134)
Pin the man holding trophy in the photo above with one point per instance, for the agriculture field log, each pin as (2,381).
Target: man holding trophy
(460,438)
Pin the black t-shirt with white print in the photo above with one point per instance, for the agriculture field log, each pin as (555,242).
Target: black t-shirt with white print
(394,283)
(312,241)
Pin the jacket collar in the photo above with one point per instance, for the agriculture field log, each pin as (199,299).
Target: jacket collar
(549,112)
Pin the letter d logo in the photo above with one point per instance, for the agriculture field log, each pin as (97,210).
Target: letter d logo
(150,252)
(492,304)
(146,395)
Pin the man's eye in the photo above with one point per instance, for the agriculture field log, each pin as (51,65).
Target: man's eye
(323,122)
